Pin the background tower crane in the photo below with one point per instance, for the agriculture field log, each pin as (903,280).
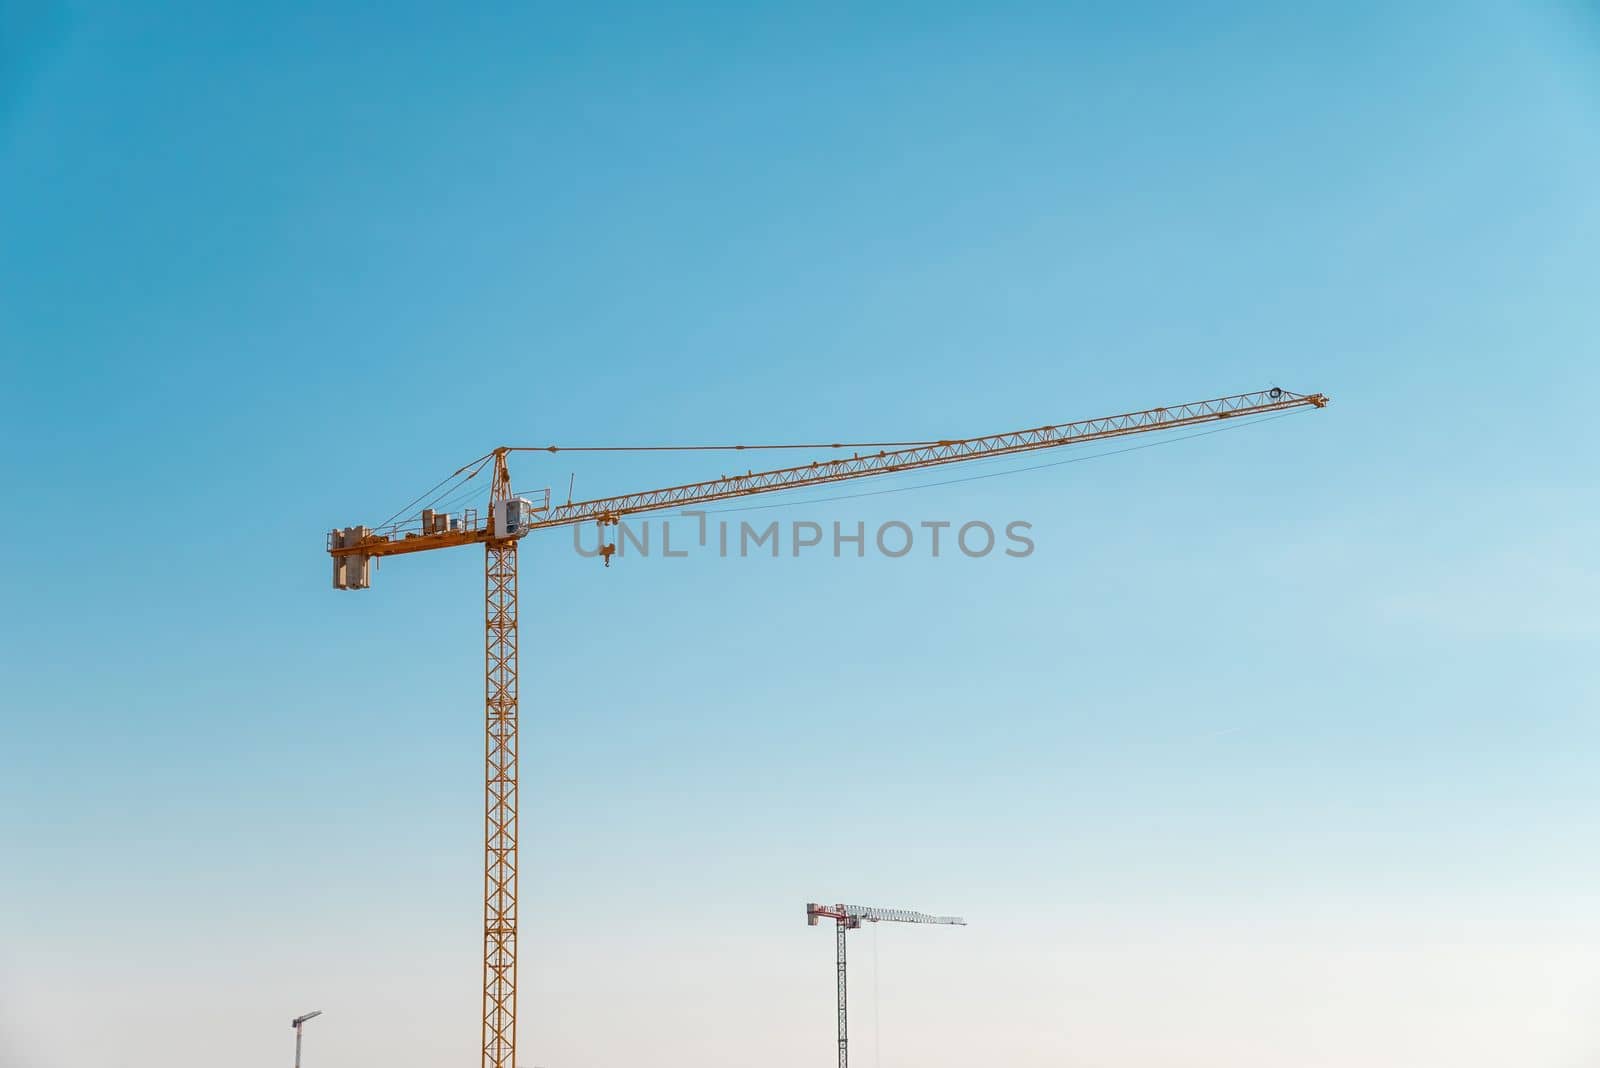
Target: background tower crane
(509,518)
(848,918)
(299,1023)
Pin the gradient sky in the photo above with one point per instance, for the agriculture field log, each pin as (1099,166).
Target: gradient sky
(1277,751)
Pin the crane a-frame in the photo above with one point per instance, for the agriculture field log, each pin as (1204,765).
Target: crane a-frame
(509,518)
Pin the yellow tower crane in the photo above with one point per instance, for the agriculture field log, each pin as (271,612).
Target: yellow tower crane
(509,518)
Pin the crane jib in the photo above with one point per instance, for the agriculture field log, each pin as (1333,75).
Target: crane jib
(437,533)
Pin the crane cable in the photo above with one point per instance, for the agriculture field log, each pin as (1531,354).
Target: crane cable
(473,468)
(459,492)
(727,448)
(877,1019)
(476,465)
(1240,425)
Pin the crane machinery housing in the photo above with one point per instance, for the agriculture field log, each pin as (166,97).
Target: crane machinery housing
(848,918)
(510,517)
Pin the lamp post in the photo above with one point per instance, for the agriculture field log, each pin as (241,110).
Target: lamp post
(297,1023)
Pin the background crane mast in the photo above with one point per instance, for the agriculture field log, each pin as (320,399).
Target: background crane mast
(510,518)
(848,918)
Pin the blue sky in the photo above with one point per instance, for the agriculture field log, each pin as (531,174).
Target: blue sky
(1275,751)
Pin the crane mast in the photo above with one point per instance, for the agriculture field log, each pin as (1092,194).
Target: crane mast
(510,518)
(500,792)
(848,918)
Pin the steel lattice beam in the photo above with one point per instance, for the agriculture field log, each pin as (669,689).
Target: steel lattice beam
(945,452)
(844,998)
(500,807)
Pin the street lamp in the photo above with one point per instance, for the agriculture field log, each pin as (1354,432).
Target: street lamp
(297,1023)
